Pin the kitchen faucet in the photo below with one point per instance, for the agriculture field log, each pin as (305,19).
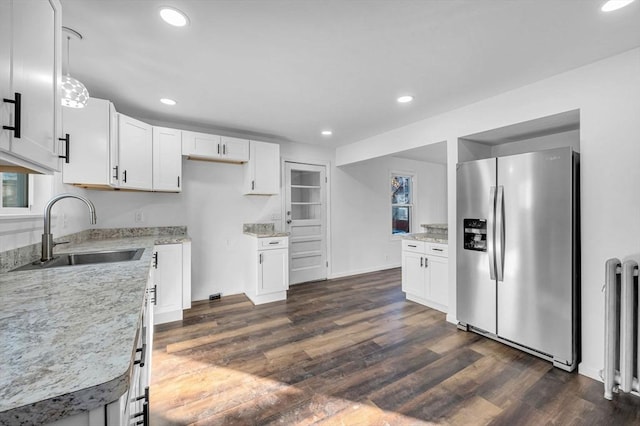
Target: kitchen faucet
(47,237)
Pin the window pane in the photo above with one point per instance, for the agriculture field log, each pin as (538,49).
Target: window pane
(15,189)
(401,219)
(401,190)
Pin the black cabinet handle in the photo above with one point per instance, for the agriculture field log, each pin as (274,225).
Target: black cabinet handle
(17,116)
(124,176)
(155,260)
(145,409)
(253,185)
(178,181)
(155,294)
(66,148)
(224,149)
(115,174)
(143,353)
(421,263)
(218,149)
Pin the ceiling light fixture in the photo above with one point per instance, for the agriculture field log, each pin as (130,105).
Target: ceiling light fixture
(168,101)
(174,17)
(405,99)
(612,5)
(327,133)
(74,94)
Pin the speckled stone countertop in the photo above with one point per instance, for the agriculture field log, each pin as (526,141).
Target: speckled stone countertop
(430,238)
(262,230)
(69,334)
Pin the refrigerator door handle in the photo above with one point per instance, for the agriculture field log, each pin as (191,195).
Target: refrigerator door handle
(499,235)
(491,233)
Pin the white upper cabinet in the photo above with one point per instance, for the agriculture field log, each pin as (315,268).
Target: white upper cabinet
(234,149)
(135,142)
(167,159)
(30,73)
(262,171)
(93,147)
(203,146)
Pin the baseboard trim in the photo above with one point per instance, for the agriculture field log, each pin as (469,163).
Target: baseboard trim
(592,373)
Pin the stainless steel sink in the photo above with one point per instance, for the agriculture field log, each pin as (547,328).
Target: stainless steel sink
(70,259)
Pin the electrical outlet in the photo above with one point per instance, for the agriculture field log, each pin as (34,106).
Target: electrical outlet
(139,216)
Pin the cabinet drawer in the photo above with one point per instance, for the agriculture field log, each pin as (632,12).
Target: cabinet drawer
(414,246)
(272,243)
(438,250)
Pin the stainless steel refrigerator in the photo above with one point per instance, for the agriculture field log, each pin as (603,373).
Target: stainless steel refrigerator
(517,251)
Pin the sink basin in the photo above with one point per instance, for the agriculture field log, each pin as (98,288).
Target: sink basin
(70,259)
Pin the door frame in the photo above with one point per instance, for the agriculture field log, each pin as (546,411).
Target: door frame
(283,200)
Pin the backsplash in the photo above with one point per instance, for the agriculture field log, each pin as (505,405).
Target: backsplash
(11,259)
(258,228)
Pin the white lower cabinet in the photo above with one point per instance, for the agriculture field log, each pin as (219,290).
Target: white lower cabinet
(172,281)
(267,275)
(425,277)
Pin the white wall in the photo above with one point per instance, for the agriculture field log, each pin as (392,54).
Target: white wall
(556,140)
(607,93)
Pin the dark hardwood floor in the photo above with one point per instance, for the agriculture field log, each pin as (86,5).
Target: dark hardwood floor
(352,351)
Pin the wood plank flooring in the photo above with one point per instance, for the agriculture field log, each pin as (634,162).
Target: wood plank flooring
(352,351)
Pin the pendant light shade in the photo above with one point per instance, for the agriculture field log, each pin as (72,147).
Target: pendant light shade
(74,93)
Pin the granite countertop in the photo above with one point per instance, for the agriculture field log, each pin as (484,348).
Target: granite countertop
(262,230)
(430,238)
(69,334)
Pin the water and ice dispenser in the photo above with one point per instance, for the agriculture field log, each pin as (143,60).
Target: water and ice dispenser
(475,234)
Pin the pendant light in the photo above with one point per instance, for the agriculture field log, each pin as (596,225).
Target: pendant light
(74,94)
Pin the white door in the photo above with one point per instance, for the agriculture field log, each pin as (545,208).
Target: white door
(273,271)
(234,149)
(168,281)
(167,159)
(34,74)
(306,218)
(413,274)
(136,153)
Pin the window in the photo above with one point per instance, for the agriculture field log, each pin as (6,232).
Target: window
(15,192)
(401,203)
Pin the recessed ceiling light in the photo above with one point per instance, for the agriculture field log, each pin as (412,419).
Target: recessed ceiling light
(174,17)
(405,99)
(168,101)
(612,5)
(327,133)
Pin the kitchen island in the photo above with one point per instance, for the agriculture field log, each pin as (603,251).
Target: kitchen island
(69,334)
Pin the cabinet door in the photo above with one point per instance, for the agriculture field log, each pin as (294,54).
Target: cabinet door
(89,130)
(167,159)
(273,271)
(136,153)
(438,281)
(168,281)
(234,149)
(262,173)
(35,73)
(413,274)
(6,109)
(201,145)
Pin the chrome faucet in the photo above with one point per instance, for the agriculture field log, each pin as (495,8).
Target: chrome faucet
(47,237)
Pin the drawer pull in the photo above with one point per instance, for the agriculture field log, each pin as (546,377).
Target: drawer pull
(437,249)
(143,353)
(411,245)
(274,242)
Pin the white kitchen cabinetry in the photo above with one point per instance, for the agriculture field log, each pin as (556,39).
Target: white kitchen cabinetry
(172,281)
(30,34)
(167,159)
(203,146)
(425,273)
(267,274)
(262,171)
(135,143)
(93,145)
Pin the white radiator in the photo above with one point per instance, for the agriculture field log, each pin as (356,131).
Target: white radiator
(621,331)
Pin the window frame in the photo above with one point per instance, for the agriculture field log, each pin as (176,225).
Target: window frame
(19,211)
(412,205)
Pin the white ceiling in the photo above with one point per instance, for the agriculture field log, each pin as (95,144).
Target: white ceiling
(286,69)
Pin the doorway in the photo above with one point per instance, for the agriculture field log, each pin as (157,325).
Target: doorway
(306,221)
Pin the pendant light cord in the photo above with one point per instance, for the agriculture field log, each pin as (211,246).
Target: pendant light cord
(68,59)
